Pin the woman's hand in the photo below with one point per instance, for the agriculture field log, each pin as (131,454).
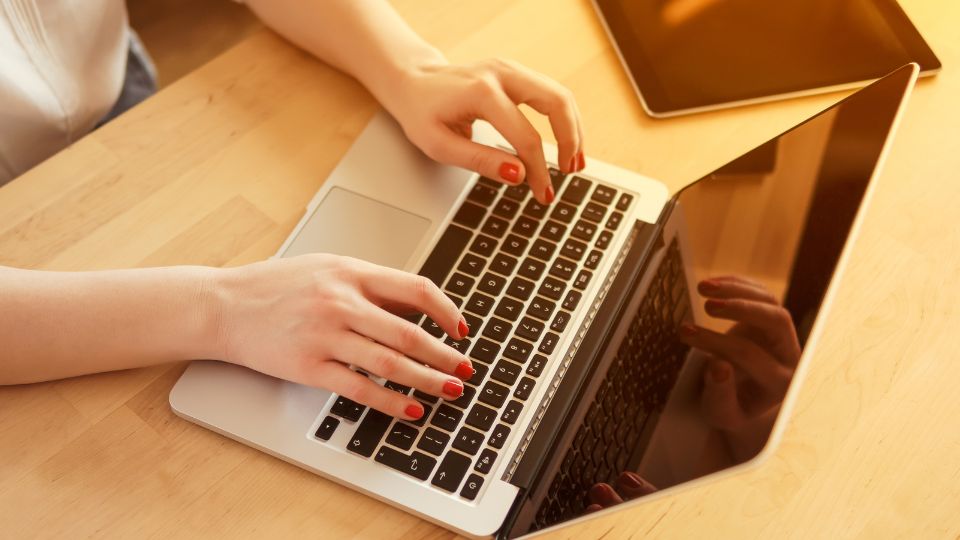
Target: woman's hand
(630,485)
(437,103)
(306,318)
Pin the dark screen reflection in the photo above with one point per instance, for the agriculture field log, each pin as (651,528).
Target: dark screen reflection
(757,242)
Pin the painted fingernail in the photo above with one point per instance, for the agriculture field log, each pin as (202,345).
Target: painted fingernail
(707,286)
(631,480)
(581,161)
(549,195)
(463,329)
(719,374)
(510,172)
(453,389)
(414,411)
(572,166)
(464,370)
(714,306)
(688,329)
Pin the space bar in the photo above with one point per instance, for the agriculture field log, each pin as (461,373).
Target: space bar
(445,254)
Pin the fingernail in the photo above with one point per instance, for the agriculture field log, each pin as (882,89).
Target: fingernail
(549,194)
(688,329)
(707,286)
(453,388)
(719,373)
(463,329)
(632,480)
(581,161)
(714,306)
(465,371)
(414,411)
(572,166)
(510,172)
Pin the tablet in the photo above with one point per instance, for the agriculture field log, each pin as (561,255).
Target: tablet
(686,56)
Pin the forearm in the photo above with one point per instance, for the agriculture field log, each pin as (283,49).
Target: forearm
(61,324)
(365,38)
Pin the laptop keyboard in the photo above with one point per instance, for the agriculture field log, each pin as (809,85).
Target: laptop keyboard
(517,269)
(620,421)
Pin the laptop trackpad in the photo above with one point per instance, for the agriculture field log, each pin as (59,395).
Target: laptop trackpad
(346,223)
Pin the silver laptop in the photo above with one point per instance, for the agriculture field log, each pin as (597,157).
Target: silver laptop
(606,372)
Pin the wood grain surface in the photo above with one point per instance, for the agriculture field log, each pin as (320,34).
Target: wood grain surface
(217,168)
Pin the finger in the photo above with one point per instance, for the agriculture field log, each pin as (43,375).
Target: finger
(632,485)
(733,287)
(352,385)
(604,495)
(592,508)
(757,363)
(390,286)
(546,96)
(721,407)
(773,322)
(448,146)
(408,339)
(394,366)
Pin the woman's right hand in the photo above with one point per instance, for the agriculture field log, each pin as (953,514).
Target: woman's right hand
(305,319)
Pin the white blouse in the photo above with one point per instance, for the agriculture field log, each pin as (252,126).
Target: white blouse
(62,64)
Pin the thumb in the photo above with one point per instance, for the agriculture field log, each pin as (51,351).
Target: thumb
(452,148)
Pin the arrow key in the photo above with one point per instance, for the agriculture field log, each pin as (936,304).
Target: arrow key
(451,471)
(417,465)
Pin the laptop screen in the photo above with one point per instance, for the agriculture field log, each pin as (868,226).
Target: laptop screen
(694,375)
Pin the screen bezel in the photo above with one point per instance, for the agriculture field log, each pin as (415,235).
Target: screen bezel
(657,103)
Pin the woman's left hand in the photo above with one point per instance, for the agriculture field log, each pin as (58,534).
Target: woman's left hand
(437,103)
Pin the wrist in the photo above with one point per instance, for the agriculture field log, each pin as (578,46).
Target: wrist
(391,86)
(211,299)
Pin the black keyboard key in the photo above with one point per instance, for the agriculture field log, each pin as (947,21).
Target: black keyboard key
(432,327)
(473,324)
(482,194)
(604,194)
(563,212)
(549,343)
(576,190)
(451,471)
(525,226)
(583,279)
(447,417)
(553,231)
(552,288)
(583,230)
(506,208)
(521,288)
(593,260)
(490,183)
(472,265)
(433,441)
(536,365)
(369,433)
(492,284)
(413,318)
(562,269)
(571,301)
(396,387)
(480,304)
(535,209)
(499,436)
(326,428)
(511,412)
(556,178)
(445,254)
(483,245)
(560,321)
(573,249)
(481,417)
(603,241)
(503,264)
(494,394)
(530,329)
(541,308)
(468,441)
(614,221)
(495,227)
(471,487)
(525,388)
(455,299)
(506,372)
(459,345)
(518,350)
(594,212)
(466,397)
(509,309)
(347,409)
(485,351)
(426,413)
(479,373)
(514,245)
(417,465)
(517,192)
(497,329)
(624,202)
(423,396)
(532,269)
(485,461)
(543,249)
(460,284)
(470,215)
(402,436)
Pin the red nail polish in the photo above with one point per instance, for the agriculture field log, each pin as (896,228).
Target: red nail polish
(549,195)
(463,329)
(510,172)
(464,371)
(414,411)
(713,305)
(581,161)
(707,286)
(572,166)
(688,329)
(631,480)
(453,389)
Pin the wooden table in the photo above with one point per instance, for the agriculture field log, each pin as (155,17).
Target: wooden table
(217,168)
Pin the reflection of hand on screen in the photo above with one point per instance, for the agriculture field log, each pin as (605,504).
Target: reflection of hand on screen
(629,486)
(750,366)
